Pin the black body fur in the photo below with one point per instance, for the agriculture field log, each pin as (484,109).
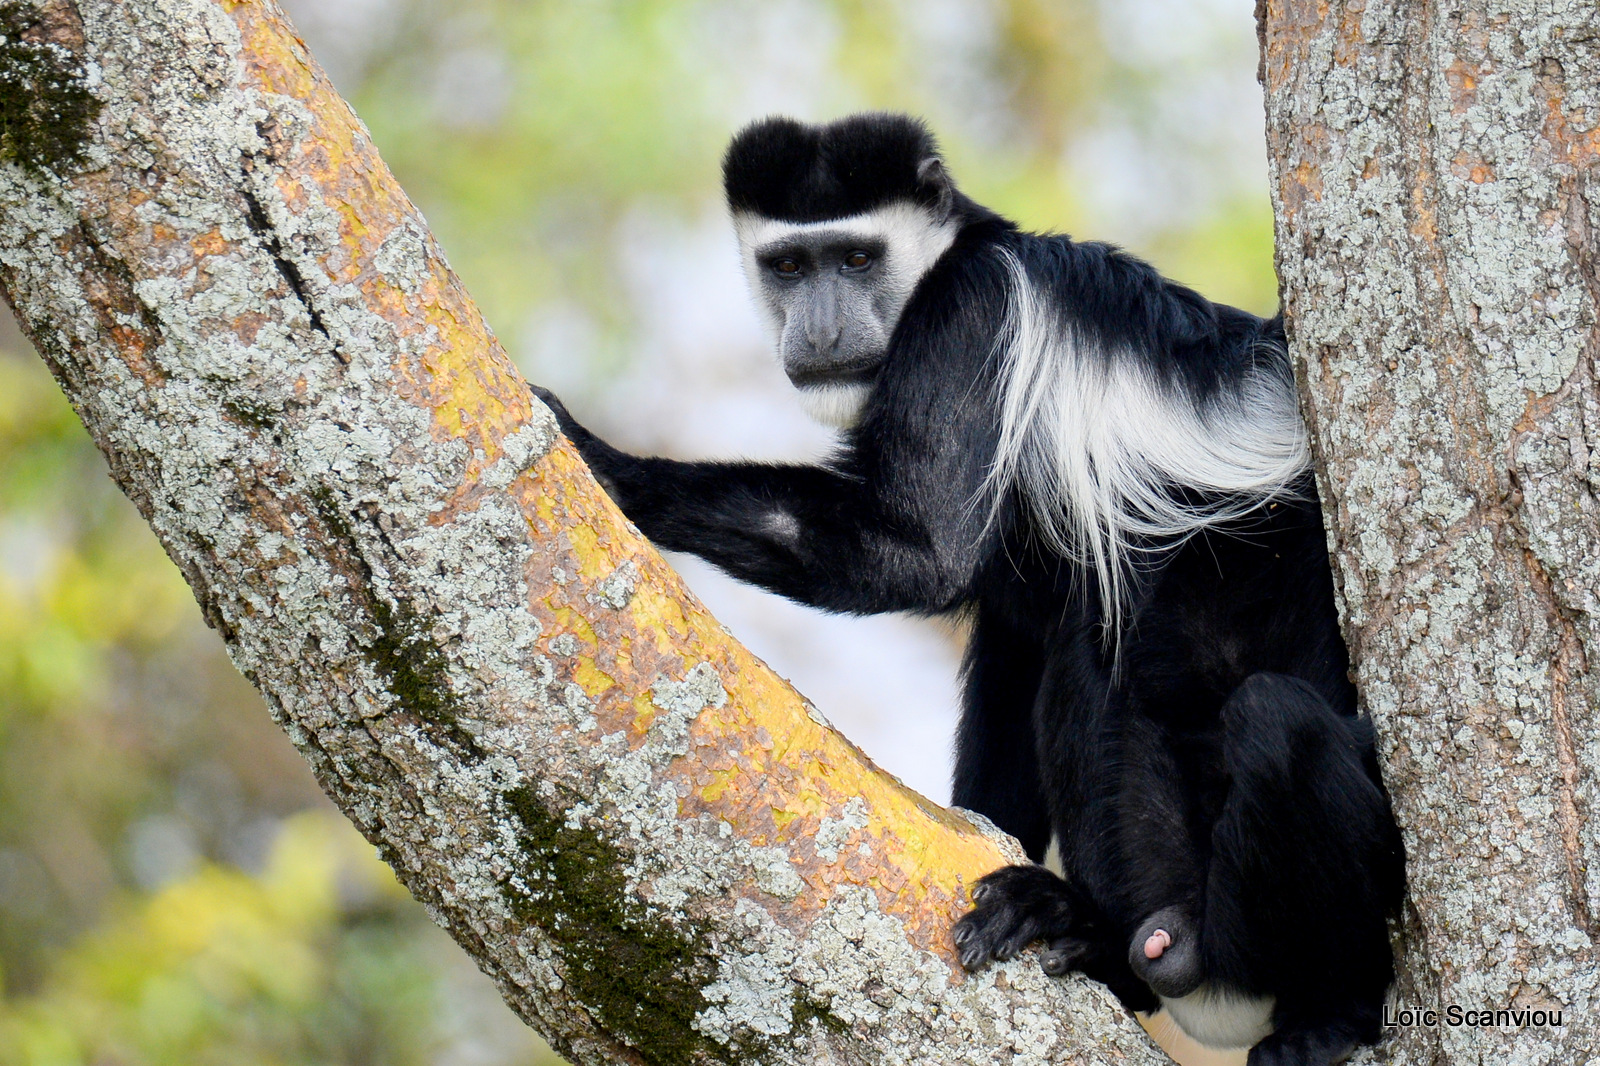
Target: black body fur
(1211,769)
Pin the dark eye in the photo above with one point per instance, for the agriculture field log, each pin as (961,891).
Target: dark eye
(786,268)
(857,261)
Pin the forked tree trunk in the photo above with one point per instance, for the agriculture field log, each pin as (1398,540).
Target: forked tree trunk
(659,851)
(652,843)
(1436,176)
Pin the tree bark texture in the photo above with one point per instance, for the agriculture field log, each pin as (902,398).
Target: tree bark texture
(1436,177)
(656,847)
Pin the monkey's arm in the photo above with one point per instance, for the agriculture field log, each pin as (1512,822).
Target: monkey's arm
(880,533)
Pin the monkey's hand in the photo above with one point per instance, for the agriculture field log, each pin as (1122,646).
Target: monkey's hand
(603,460)
(1013,907)
(569,425)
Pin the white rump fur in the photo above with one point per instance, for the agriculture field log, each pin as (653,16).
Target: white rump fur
(915,240)
(1096,442)
(1221,1018)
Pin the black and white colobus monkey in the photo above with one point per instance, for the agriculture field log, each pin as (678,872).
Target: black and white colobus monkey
(1110,475)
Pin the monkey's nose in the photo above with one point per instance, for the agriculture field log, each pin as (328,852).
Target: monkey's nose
(824,338)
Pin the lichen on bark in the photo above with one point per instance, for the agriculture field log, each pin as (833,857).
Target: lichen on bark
(47,105)
(1435,172)
(560,752)
(642,976)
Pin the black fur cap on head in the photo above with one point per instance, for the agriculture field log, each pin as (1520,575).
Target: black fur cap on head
(787,170)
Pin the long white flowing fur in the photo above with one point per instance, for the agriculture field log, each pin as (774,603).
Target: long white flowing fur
(1097,443)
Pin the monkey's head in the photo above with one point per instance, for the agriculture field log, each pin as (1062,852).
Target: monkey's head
(836,225)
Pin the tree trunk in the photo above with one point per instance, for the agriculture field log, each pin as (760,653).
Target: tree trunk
(659,851)
(1436,176)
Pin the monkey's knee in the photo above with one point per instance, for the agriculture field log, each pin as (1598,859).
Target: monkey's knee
(1276,725)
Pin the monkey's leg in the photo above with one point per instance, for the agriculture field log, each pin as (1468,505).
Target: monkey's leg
(1127,848)
(997,771)
(1306,863)
(1158,867)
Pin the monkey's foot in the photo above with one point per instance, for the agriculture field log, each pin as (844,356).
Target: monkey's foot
(1012,908)
(1310,1046)
(1165,953)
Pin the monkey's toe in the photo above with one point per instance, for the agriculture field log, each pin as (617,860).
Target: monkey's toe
(1064,955)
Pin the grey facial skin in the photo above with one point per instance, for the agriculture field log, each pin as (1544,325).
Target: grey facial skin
(830,294)
(838,311)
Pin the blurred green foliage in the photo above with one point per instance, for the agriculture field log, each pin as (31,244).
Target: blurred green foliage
(302,962)
(173,888)
(531,130)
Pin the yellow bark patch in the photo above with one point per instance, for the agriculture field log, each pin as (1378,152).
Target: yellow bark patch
(760,762)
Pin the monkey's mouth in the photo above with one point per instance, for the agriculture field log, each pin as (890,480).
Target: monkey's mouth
(822,376)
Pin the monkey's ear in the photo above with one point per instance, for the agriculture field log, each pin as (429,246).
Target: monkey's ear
(932,176)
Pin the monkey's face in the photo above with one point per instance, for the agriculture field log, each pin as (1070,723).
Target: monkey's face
(831,294)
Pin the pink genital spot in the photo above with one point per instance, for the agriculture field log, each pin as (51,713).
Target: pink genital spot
(1159,941)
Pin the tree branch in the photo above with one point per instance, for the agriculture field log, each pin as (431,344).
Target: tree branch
(656,847)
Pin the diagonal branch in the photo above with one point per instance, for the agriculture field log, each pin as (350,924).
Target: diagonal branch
(657,848)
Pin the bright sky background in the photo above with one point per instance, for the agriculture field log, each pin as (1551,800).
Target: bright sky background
(650,335)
